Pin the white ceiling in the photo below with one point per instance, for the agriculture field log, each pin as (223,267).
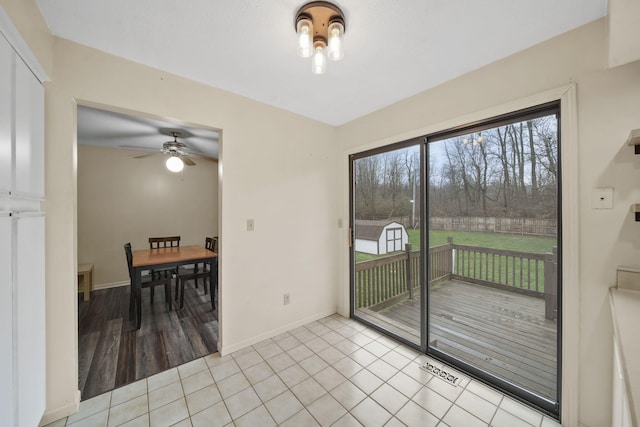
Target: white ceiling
(393,48)
(112,129)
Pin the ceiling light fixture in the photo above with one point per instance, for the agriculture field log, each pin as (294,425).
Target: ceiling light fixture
(475,139)
(175,163)
(320,27)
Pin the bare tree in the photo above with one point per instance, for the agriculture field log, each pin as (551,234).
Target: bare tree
(367,182)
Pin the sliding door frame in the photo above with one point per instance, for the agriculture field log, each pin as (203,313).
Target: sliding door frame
(568,298)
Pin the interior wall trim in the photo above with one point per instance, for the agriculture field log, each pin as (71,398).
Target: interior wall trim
(272,333)
(13,36)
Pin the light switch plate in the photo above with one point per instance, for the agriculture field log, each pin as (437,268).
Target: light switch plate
(602,198)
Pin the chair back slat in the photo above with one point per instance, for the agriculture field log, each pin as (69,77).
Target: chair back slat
(164,242)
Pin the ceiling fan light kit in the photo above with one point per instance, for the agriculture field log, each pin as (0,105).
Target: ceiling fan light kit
(320,28)
(175,164)
(175,149)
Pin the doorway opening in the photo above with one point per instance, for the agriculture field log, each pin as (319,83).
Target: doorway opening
(126,194)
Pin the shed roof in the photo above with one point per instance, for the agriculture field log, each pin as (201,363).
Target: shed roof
(370,229)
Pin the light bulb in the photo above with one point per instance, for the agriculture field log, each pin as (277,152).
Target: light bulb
(305,40)
(174,164)
(335,50)
(319,59)
(480,139)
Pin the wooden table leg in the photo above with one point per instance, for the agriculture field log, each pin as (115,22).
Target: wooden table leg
(137,280)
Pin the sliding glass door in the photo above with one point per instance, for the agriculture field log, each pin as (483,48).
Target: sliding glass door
(484,295)
(386,239)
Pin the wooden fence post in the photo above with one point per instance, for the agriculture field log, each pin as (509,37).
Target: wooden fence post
(551,285)
(407,248)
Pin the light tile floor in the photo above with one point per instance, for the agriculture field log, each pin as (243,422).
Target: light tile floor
(332,372)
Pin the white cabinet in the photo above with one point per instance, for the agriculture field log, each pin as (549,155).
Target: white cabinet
(6,320)
(29,303)
(6,71)
(29,134)
(624,299)
(22,266)
(620,411)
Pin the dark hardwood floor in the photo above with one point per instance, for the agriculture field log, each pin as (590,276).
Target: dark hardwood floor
(112,353)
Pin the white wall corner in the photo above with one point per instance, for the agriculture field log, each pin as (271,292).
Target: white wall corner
(59,413)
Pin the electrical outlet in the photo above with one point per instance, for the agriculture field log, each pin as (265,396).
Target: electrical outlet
(250,225)
(287,299)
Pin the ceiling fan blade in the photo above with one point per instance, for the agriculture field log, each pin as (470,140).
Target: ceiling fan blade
(187,161)
(141,156)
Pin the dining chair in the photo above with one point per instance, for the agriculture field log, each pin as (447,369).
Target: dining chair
(191,274)
(148,281)
(164,242)
(211,244)
(199,271)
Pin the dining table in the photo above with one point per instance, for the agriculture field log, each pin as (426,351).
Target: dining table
(169,258)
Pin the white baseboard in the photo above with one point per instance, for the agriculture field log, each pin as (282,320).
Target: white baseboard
(226,349)
(110,285)
(62,412)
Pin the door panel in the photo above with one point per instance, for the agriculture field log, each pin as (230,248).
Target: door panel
(386,276)
(493,238)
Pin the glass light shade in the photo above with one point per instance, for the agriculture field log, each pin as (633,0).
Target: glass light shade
(335,50)
(319,59)
(304,29)
(174,164)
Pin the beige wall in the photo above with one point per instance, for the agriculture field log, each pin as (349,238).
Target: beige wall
(607,105)
(122,199)
(275,167)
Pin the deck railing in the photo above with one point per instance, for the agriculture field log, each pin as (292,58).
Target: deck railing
(382,282)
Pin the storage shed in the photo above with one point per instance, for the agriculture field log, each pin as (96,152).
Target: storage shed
(380,237)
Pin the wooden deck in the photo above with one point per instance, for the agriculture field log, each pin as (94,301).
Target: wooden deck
(502,332)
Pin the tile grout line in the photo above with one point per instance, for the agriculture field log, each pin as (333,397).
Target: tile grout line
(324,329)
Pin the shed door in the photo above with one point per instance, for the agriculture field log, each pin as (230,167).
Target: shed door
(394,239)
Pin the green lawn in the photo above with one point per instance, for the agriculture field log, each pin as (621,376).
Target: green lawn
(512,242)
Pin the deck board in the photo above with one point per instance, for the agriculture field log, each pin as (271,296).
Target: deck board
(504,333)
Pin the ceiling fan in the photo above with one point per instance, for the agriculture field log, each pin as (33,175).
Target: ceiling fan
(179,153)
(177,149)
